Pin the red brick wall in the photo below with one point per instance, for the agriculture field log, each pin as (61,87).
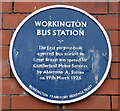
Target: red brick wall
(12,96)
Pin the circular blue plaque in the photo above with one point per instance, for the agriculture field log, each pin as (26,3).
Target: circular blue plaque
(60,54)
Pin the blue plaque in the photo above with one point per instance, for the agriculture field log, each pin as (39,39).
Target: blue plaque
(60,54)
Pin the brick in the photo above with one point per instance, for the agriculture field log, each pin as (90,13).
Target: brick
(114,37)
(0,87)
(12,74)
(115,54)
(11,86)
(114,7)
(92,102)
(108,76)
(95,16)
(0,36)
(5,102)
(4,50)
(7,7)
(115,102)
(28,7)
(11,21)
(90,7)
(0,21)
(29,102)
(109,22)
(0,6)
(5,37)
(115,70)
(109,87)
(4,69)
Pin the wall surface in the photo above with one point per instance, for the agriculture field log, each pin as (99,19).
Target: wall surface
(13,96)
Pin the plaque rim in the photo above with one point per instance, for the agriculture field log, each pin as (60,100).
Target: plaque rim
(61,101)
